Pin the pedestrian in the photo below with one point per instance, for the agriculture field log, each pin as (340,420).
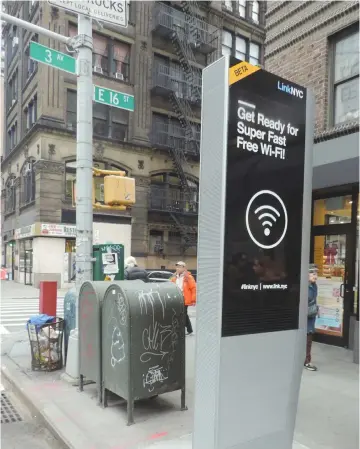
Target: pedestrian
(313,311)
(133,272)
(186,283)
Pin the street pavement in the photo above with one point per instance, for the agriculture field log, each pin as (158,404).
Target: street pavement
(19,428)
(327,418)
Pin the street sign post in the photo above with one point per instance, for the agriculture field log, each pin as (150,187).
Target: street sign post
(114,12)
(52,57)
(114,98)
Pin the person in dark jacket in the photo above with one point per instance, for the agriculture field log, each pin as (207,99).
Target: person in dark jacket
(313,311)
(133,272)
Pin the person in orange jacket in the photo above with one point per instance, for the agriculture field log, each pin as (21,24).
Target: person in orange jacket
(184,280)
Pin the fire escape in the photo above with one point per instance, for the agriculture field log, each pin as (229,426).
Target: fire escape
(189,34)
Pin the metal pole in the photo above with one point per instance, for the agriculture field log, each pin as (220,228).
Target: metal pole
(35,28)
(84,206)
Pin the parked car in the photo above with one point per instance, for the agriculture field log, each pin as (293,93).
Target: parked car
(159,276)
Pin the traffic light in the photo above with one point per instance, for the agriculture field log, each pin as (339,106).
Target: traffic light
(117,191)
(112,190)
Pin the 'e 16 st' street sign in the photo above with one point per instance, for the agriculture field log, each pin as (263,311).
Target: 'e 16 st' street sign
(114,98)
(110,11)
(52,57)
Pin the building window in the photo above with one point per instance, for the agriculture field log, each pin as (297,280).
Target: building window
(12,137)
(335,210)
(31,113)
(120,61)
(100,55)
(346,78)
(240,48)
(110,57)
(10,195)
(28,183)
(254,54)
(167,194)
(12,43)
(30,65)
(70,179)
(100,119)
(228,5)
(255,12)
(103,116)
(13,89)
(119,123)
(71,109)
(226,43)
(241,6)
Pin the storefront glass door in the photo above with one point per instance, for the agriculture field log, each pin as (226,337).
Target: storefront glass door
(28,267)
(335,294)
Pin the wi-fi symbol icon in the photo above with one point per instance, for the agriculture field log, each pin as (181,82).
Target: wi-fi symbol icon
(267,216)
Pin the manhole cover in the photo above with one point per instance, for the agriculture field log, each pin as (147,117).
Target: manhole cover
(8,411)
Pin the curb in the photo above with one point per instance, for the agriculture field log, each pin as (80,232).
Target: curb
(43,408)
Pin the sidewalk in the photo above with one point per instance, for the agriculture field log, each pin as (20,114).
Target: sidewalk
(14,290)
(328,414)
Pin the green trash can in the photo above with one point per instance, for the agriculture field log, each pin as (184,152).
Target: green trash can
(90,300)
(143,341)
(69,316)
(109,262)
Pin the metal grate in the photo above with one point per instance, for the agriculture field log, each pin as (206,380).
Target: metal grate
(9,413)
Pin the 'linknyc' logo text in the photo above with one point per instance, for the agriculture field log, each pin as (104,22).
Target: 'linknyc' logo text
(291,90)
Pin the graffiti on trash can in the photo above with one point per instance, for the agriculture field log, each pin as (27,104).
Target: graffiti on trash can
(121,306)
(155,374)
(147,300)
(117,349)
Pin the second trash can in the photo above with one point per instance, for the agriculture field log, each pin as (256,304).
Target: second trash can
(91,295)
(143,341)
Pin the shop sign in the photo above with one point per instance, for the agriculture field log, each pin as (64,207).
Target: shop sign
(57,230)
(26,231)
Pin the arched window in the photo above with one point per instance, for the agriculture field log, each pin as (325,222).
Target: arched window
(70,178)
(167,194)
(10,195)
(255,12)
(28,182)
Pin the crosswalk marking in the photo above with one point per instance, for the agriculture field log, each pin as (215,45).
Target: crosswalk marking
(14,313)
(3,330)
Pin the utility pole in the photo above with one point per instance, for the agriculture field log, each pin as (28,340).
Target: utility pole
(84,162)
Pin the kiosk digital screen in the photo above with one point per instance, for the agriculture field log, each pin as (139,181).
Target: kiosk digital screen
(264,200)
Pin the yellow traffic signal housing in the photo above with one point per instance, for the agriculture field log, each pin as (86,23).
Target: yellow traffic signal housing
(119,191)
(116,192)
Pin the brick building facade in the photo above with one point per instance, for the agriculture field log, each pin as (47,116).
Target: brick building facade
(316,44)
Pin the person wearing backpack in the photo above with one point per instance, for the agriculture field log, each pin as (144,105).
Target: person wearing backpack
(313,311)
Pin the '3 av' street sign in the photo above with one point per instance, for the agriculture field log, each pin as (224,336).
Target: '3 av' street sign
(52,57)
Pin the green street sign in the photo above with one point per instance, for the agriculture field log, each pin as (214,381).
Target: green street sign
(114,98)
(52,57)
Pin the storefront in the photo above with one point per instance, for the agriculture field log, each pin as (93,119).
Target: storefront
(23,250)
(45,251)
(334,249)
(10,260)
